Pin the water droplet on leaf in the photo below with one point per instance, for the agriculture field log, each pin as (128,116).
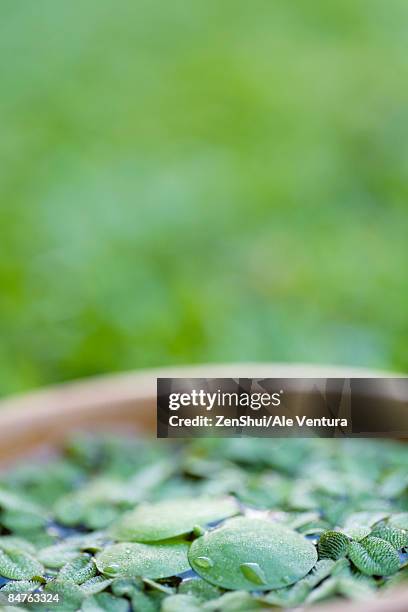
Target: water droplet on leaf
(253,572)
(203,562)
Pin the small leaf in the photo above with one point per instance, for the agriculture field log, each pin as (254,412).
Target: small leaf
(332,545)
(252,554)
(200,588)
(105,602)
(237,601)
(19,565)
(59,554)
(295,595)
(141,601)
(78,570)
(374,557)
(21,586)
(14,543)
(168,519)
(399,521)
(181,603)
(158,560)
(70,594)
(126,586)
(398,538)
(95,585)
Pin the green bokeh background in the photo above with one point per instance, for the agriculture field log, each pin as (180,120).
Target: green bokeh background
(216,180)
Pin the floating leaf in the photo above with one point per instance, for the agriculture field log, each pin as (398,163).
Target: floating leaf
(19,503)
(105,602)
(78,570)
(252,554)
(158,560)
(200,588)
(296,594)
(144,603)
(332,545)
(69,593)
(398,538)
(21,522)
(13,543)
(96,505)
(181,603)
(238,601)
(131,588)
(57,555)
(21,586)
(126,586)
(374,557)
(399,520)
(345,587)
(95,585)
(168,519)
(19,565)
(358,524)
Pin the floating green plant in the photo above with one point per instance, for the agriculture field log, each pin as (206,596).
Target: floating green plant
(252,554)
(121,524)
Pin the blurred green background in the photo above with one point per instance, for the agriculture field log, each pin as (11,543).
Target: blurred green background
(205,181)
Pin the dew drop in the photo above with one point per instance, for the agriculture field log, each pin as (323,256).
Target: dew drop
(198,530)
(253,572)
(112,569)
(204,562)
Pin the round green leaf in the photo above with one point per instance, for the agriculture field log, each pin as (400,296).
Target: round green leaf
(252,554)
(168,519)
(158,560)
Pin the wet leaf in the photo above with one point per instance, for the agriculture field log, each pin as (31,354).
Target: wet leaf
(70,594)
(57,555)
(21,586)
(158,560)
(78,570)
(374,557)
(95,585)
(168,519)
(19,565)
(398,538)
(332,545)
(252,554)
(200,588)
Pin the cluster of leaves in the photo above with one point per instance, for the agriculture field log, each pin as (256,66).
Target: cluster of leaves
(119,524)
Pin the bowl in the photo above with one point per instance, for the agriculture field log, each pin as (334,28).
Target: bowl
(124,402)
